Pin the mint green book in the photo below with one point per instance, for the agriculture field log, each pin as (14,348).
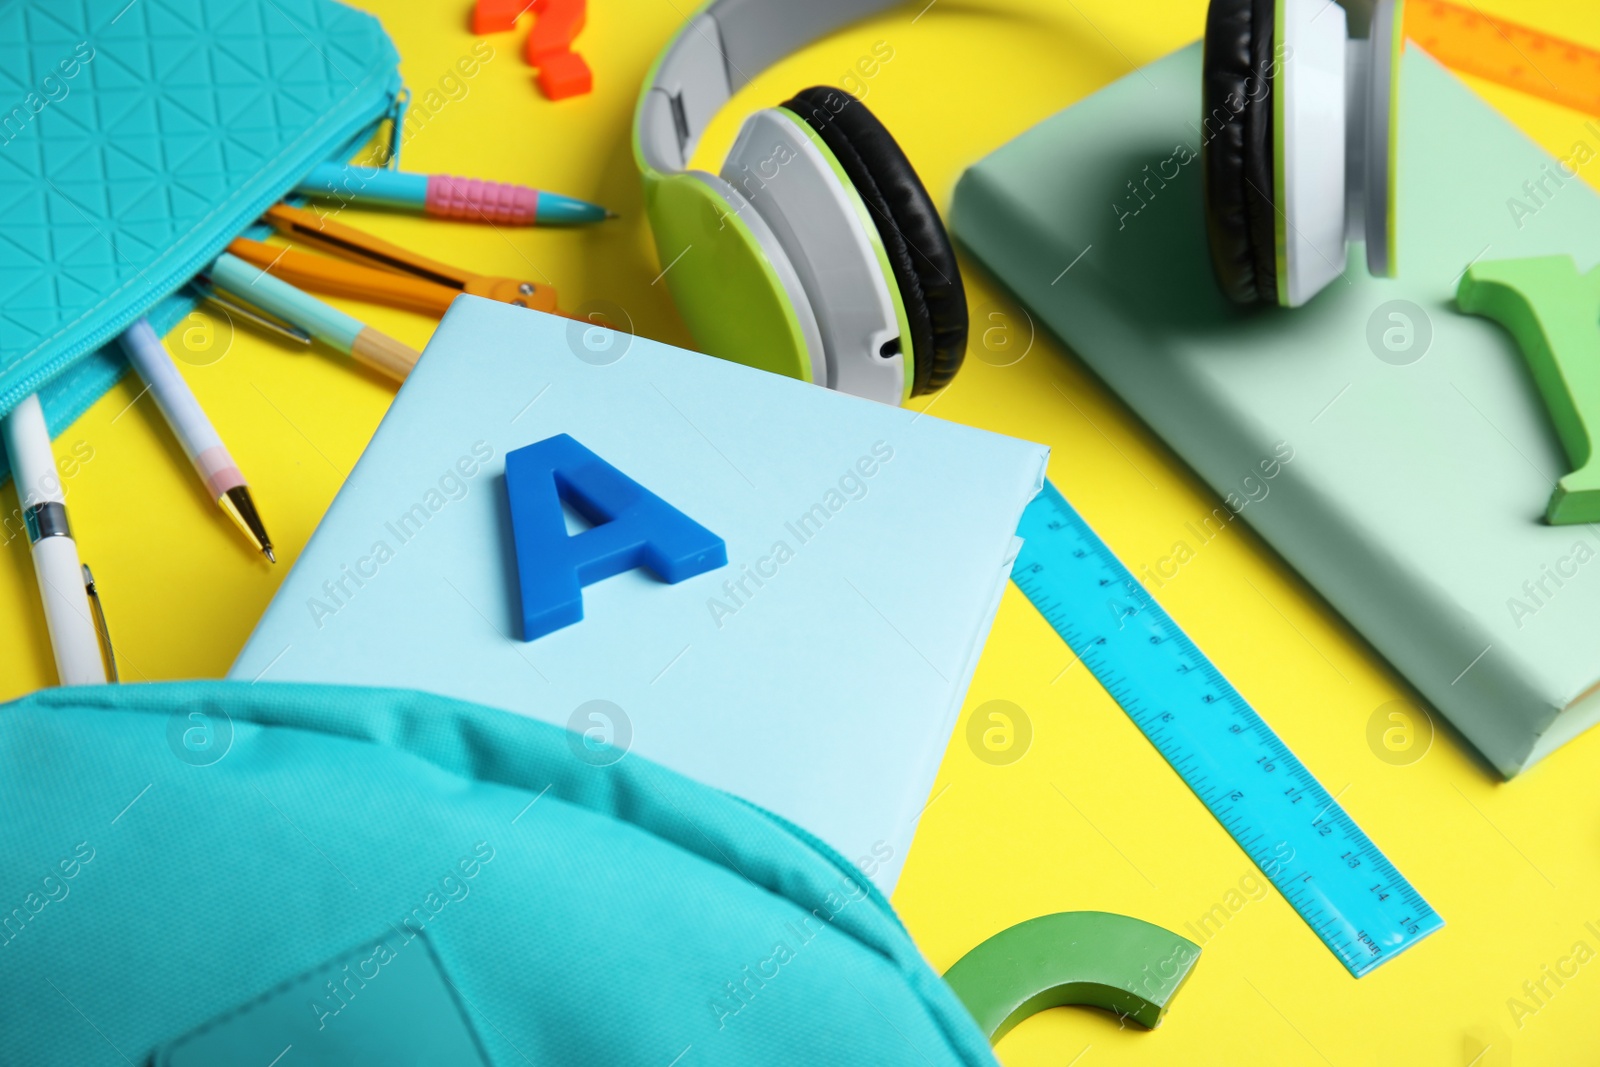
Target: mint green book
(1423,457)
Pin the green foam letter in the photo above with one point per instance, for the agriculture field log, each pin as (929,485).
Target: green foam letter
(1554,314)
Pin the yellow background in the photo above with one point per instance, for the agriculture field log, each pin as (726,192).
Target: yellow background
(1090,817)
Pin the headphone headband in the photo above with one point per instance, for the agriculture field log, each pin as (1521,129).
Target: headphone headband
(716,53)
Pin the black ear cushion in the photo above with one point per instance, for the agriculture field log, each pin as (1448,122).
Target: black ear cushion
(913,236)
(1236,149)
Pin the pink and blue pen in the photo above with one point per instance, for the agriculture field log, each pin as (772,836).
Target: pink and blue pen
(441,195)
(194,431)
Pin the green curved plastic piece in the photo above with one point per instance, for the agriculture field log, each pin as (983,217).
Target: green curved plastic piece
(1553,312)
(1093,958)
(725,288)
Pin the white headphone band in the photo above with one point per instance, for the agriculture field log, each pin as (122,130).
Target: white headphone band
(728,42)
(716,53)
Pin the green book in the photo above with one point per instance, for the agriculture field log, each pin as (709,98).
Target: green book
(1422,455)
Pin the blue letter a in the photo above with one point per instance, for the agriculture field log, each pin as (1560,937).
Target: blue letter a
(632,528)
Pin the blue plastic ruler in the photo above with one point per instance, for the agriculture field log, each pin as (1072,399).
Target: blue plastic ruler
(1349,893)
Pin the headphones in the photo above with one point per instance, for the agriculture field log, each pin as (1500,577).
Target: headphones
(1298,142)
(816,252)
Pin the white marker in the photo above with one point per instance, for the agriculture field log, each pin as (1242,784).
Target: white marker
(55,554)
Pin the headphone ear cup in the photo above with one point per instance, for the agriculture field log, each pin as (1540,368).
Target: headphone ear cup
(730,277)
(908,224)
(1236,149)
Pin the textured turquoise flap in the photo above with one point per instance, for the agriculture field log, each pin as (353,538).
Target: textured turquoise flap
(233,869)
(136,140)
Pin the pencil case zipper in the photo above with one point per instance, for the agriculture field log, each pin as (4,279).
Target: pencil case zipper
(348,136)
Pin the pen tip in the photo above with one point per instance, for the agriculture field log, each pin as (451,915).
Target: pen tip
(612,214)
(237,503)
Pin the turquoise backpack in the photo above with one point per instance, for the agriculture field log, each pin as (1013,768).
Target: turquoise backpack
(208,873)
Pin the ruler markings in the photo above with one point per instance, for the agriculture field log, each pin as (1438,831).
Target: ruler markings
(1507,53)
(1341,884)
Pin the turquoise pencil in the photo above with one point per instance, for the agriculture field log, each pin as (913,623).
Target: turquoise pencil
(442,195)
(323,321)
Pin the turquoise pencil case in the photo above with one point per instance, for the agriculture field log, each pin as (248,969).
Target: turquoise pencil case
(138,139)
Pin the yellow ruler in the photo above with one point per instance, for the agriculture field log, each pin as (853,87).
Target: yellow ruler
(1507,53)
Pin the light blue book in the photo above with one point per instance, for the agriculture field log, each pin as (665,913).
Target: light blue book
(818,674)
(1395,451)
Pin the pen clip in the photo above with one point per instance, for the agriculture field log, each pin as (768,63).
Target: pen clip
(107,655)
(397,122)
(234,306)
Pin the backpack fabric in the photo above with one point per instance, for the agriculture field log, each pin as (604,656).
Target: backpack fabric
(183,865)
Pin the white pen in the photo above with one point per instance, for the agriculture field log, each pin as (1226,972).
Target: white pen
(73,635)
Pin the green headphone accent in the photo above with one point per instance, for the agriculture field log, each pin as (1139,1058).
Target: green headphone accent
(730,294)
